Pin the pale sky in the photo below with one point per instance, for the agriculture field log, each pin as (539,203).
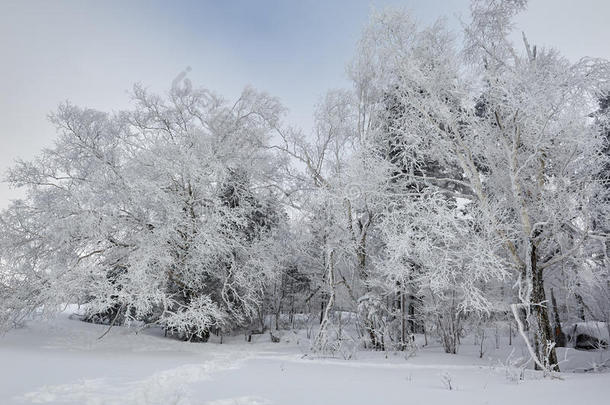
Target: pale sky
(91,53)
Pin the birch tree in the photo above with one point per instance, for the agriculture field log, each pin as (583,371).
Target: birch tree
(526,153)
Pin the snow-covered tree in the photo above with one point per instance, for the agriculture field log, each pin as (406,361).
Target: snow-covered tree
(166,213)
(533,158)
(525,155)
(454,183)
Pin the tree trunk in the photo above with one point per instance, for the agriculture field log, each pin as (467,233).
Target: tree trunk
(581,305)
(403,326)
(541,311)
(322,299)
(321,341)
(560,337)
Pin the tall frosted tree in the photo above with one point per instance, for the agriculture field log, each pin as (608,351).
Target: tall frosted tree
(526,158)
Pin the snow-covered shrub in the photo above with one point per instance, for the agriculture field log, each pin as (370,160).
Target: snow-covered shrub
(195,321)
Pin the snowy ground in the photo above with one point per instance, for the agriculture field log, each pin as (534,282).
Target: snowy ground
(64,363)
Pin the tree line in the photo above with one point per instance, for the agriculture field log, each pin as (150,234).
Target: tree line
(458,183)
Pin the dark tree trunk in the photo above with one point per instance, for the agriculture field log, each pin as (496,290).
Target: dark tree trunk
(411,314)
(581,305)
(322,306)
(560,338)
(541,311)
